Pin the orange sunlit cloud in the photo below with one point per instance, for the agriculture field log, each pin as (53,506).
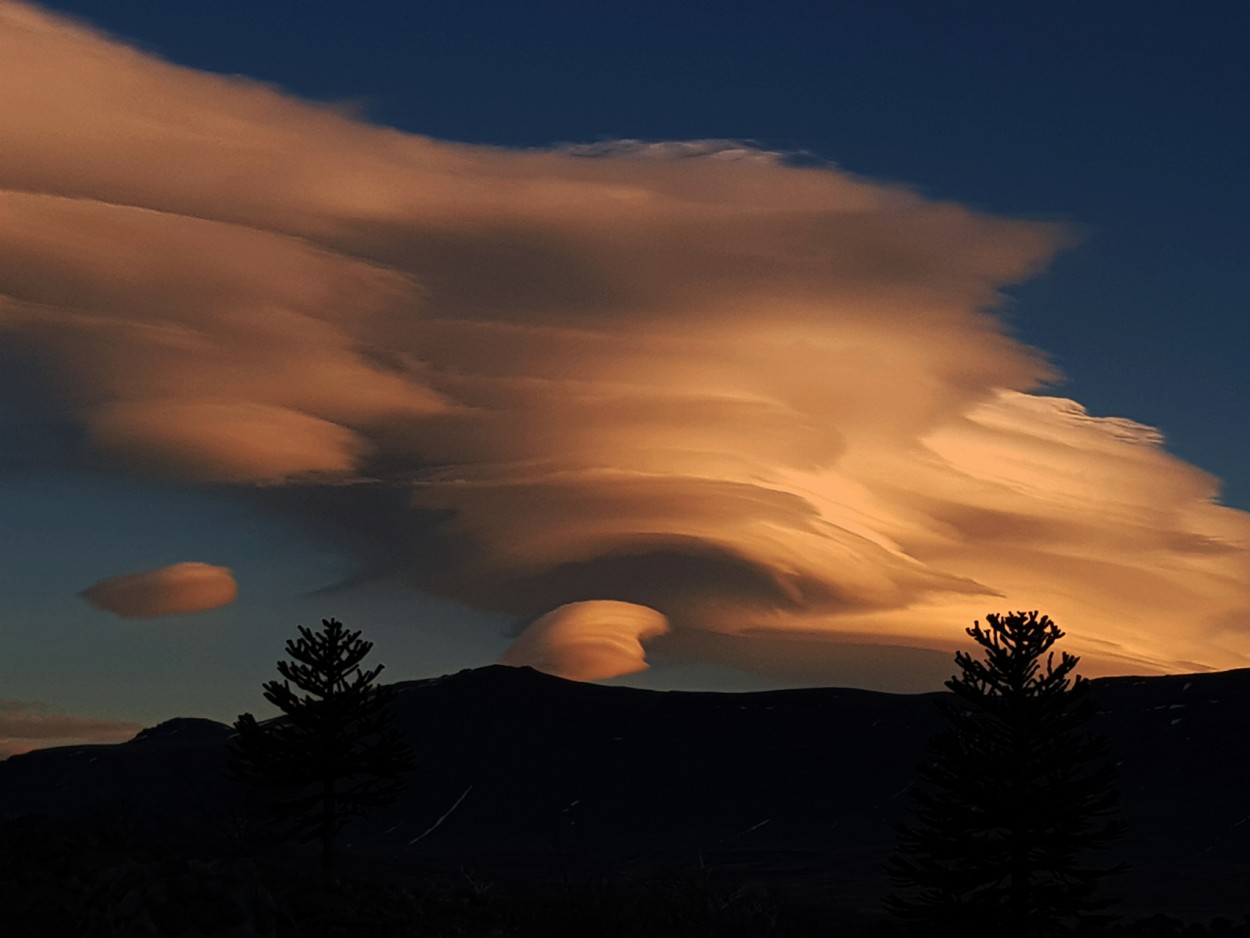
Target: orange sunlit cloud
(169,591)
(764,402)
(588,641)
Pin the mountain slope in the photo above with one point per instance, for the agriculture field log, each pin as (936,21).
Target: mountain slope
(525,775)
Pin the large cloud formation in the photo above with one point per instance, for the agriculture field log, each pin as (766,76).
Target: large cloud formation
(167,591)
(769,403)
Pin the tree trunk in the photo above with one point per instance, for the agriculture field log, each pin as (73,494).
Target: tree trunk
(1018,892)
(327,829)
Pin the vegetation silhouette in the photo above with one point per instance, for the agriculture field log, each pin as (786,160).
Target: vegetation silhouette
(336,754)
(114,839)
(1013,796)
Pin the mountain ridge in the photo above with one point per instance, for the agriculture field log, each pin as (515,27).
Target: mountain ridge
(523,774)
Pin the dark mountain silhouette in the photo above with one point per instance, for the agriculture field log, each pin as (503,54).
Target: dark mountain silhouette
(526,776)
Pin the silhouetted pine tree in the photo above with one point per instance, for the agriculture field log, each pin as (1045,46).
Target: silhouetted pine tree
(1013,796)
(335,755)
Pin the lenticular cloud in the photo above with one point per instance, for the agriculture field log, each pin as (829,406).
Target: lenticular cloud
(174,590)
(588,640)
(756,401)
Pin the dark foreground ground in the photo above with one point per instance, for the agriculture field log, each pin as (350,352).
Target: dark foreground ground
(543,807)
(100,882)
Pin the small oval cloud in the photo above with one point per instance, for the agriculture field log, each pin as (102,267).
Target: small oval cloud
(167,591)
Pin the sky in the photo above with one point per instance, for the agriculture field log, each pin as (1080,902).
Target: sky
(696,346)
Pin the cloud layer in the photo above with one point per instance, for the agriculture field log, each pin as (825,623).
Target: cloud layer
(763,402)
(27,726)
(168,591)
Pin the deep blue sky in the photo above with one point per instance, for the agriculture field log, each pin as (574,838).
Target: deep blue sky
(1126,120)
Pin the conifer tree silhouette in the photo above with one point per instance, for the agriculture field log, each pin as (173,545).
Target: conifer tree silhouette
(335,755)
(1012,798)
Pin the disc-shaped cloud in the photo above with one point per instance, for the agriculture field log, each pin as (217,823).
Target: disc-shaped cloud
(588,641)
(770,403)
(181,588)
